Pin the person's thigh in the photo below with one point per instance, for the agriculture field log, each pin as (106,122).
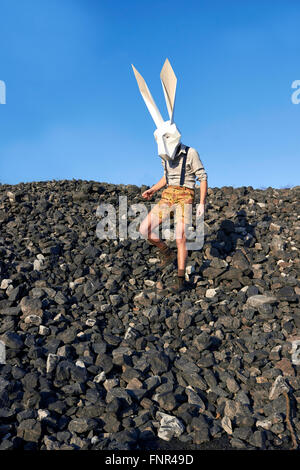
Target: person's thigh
(184,207)
(180,230)
(155,217)
(159,213)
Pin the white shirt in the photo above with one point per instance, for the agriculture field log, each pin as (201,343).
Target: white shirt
(194,168)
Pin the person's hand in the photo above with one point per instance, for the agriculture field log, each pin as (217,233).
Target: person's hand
(148,193)
(200,209)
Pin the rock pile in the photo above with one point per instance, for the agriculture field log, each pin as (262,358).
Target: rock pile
(98,356)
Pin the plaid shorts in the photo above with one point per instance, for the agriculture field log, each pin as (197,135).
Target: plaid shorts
(176,199)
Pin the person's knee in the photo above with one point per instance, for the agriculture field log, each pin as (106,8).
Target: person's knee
(143,230)
(181,241)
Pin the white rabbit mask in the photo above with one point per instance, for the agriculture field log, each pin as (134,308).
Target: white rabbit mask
(167,135)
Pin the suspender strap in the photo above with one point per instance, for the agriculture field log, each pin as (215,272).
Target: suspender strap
(166,172)
(182,175)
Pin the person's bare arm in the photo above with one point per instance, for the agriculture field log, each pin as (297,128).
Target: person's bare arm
(201,175)
(161,183)
(203,191)
(156,187)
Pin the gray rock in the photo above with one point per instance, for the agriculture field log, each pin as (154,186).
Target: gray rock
(166,401)
(185,319)
(52,361)
(226,424)
(30,430)
(10,311)
(170,426)
(159,363)
(152,313)
(277,244)
(202,341)
(31,306)
(33,320)
(12,340)
(200,429)
(81,425)
(194,398)
(232,385)
(286,293)
(278,387)
(258,300)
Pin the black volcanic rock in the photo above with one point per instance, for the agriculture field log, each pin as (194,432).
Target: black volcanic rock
(100,356)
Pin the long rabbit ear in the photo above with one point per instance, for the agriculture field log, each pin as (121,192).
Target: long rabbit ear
(150,103)
(169,83)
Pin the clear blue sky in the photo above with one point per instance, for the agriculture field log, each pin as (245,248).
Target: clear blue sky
(73,106)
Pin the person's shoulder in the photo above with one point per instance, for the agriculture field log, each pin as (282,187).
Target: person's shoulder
(192,152)
(185,147)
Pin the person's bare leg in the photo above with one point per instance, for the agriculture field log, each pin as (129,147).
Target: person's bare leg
(146,229)
(181,247)
(148,226)
(181,257)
